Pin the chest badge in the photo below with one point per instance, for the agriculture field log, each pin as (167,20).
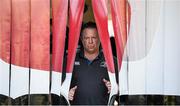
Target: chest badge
(76,63)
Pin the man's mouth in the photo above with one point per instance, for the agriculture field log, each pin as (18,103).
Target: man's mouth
(91,47)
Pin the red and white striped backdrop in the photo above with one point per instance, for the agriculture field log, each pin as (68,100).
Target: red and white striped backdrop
(146,35)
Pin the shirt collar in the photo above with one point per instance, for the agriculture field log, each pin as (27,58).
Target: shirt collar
(100,55)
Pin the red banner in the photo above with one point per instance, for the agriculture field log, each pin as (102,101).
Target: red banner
(20,33)
(5,30)
(75,21)
(120,16)
(40,34)
(59,19)
(101,17)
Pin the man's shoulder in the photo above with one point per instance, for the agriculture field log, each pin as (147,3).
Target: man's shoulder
(102,55)
(78,55)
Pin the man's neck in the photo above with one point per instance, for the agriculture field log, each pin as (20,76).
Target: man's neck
(91,56)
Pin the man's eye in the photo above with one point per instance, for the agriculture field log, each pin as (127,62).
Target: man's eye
(85,38)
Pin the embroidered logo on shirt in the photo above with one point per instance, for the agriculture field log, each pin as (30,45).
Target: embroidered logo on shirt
(103,64)
(76,63)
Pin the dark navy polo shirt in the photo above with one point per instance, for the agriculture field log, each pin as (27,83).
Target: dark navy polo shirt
(88,77)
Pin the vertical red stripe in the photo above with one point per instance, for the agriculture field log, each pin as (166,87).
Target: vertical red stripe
(59,17)
(101,17)
(118,8)
(120,18)
(40,34)
(75,21)
(5,30)
(20,32)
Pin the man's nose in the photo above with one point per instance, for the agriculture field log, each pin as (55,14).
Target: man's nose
(90,40)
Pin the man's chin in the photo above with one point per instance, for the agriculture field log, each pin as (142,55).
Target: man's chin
(91,51)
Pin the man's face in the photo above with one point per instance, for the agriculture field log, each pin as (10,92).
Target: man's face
(90,40)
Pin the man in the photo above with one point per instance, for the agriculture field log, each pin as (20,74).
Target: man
(90,83)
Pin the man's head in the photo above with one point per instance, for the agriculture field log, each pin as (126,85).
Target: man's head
(90,38)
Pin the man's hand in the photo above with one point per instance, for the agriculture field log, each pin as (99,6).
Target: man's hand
(108,85)
(71,93)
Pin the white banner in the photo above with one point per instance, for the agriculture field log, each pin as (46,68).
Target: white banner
(151,61)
